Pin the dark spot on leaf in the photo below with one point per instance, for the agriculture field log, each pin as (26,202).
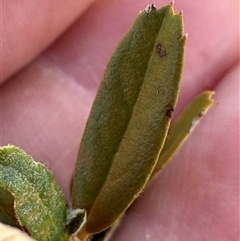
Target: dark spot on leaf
(195,121)
(200,114)
(161,50)
(169,112)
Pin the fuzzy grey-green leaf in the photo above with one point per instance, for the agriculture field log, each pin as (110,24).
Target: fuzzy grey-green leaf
(39,203)
(130,117)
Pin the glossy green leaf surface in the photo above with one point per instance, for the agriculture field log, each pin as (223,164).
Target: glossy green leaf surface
(38,200)
(130,117)
(184,124)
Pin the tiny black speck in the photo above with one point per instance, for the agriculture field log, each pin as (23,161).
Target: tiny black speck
(169,112)
(161,50)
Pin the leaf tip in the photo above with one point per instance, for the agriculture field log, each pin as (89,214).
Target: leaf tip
(150,8)
(180,13)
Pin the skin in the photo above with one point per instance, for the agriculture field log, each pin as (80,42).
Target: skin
(49,83)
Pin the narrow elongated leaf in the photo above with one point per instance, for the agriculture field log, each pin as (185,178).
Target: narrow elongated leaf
(181,128)
(39,203)
(130,117)
(178,133)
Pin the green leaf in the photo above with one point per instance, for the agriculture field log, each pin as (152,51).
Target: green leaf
(130,117)
(39,203)
(181,128)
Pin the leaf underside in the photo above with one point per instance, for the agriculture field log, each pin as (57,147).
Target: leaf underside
(38,200)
